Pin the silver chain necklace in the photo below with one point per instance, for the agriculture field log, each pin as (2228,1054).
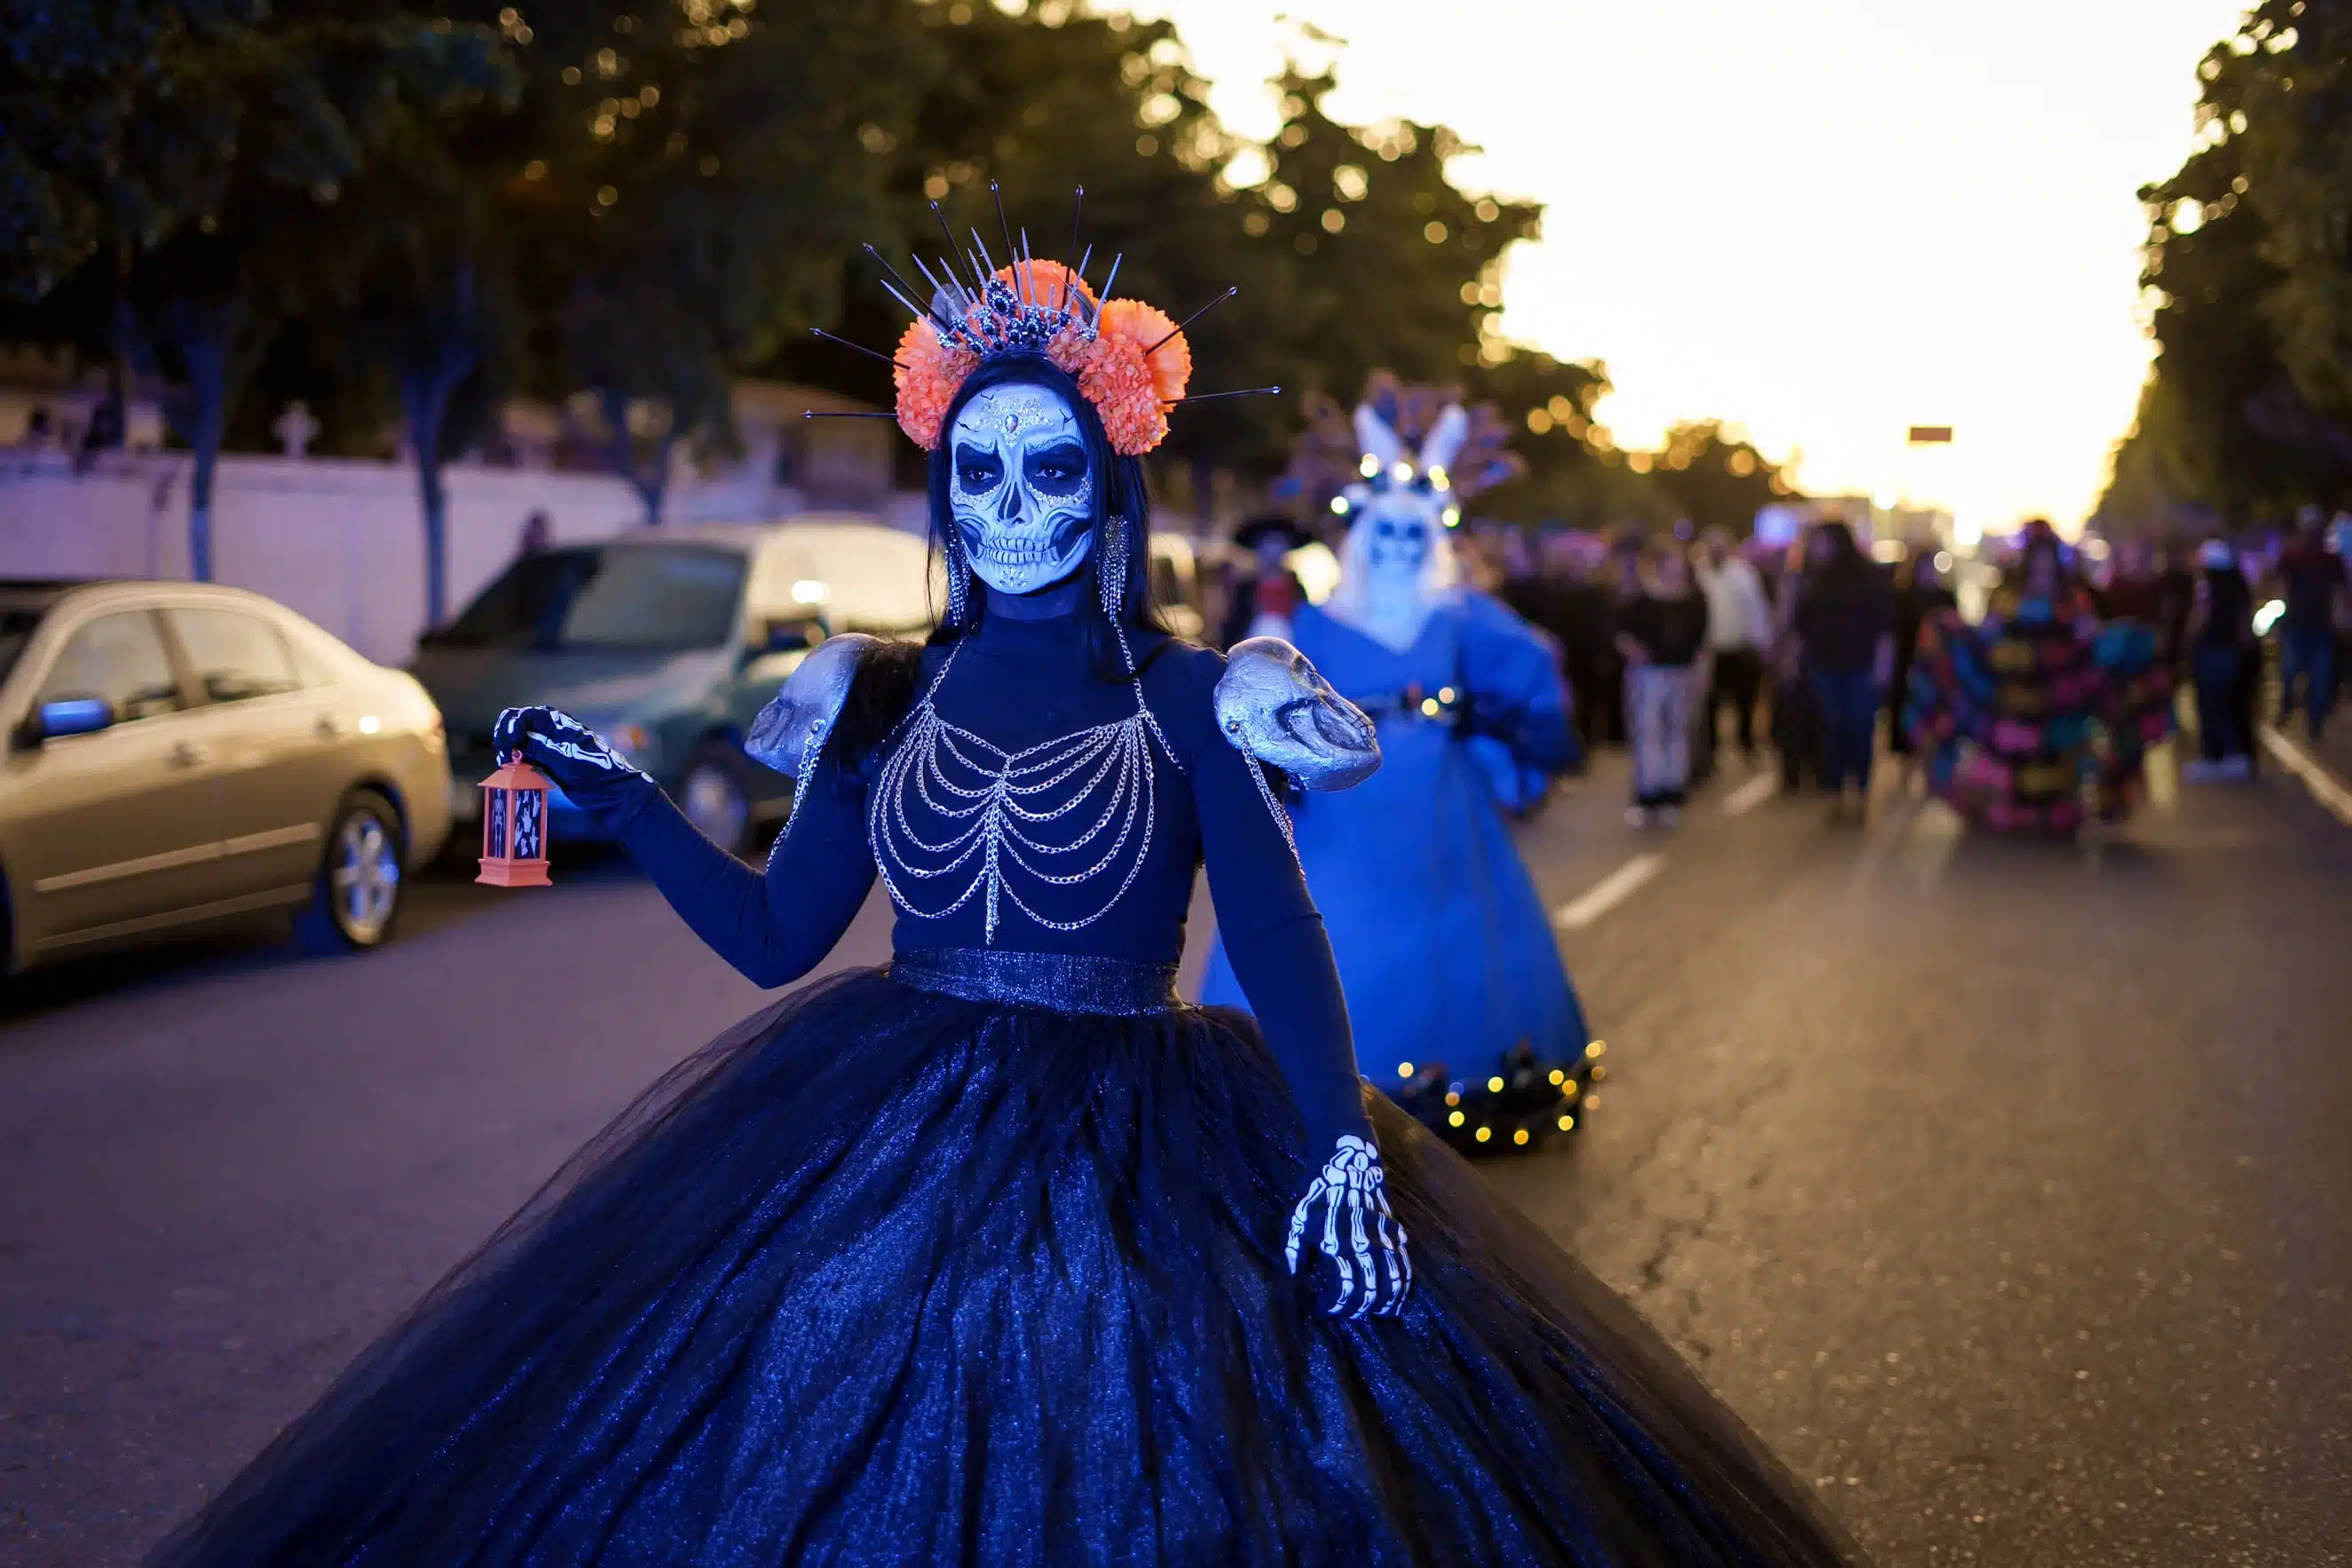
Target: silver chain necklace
(1065,813)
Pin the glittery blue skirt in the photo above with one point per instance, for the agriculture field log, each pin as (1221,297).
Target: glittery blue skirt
(900,1271)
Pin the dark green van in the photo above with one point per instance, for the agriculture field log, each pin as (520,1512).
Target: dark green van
(668,642)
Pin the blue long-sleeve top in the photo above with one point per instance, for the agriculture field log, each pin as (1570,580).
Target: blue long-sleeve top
(1020,683)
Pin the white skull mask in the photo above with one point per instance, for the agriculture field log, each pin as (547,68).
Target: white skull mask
(1396,539)
(1021,489)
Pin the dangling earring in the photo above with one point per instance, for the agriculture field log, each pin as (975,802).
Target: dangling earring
(1110,567)
(959,580)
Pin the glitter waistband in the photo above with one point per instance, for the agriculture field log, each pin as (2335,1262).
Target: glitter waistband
(1064,982)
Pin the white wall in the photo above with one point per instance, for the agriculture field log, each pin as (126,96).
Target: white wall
(341,541)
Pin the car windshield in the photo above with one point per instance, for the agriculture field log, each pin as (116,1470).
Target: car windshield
(16,623)
(629,597)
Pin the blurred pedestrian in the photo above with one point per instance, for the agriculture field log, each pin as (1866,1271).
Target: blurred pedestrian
(2131,592)
(2311,581)
(2176,597)
(1262,604)
(1796,719)
(1523,588)
(1738,630)
(1845,636)
(1661,636)
(1581,615)
(2223,658)
(1924,591)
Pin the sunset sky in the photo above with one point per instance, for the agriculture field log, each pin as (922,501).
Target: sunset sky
(1826,220)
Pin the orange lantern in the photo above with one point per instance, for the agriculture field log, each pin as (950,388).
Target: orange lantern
(514,826)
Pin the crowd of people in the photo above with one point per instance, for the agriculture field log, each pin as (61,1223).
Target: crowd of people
(1674,650)
(1681,651)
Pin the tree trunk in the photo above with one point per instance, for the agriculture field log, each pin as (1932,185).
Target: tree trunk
(203,344)
(427,400)
(653,487)
(619,448)
(200,517)
(442,354)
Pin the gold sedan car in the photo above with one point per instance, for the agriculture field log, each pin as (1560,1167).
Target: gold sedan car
(179,753)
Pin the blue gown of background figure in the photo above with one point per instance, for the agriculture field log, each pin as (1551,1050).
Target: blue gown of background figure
(1445,947)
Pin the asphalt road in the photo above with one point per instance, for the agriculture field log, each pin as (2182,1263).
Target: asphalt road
(2006,1188)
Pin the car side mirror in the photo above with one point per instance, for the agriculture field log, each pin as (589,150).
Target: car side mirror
(61,716)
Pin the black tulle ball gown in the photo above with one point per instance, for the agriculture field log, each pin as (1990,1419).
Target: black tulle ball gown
(981,1258)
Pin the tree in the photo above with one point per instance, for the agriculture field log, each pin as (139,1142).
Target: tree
(1714,479)
(1550,402)
(1039,104)
(435,312)
(2279,96)
(1392,266)
(684,177)
(2246,409)
(1053,97)
(195,147)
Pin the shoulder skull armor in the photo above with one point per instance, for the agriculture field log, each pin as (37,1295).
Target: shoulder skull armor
(1273,704)
(790,733)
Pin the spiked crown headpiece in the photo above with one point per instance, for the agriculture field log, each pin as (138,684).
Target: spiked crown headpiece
(1130,361)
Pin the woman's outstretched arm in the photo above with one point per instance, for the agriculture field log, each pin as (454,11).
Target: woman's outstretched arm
(773,927)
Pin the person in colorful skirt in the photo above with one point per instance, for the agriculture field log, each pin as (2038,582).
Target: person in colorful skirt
(2038,719)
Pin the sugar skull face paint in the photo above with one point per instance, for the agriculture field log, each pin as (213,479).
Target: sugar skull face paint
(1022,490)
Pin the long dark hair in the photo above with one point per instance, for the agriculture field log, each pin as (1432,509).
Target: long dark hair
(1120,494)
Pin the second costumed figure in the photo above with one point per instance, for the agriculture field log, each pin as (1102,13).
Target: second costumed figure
(1439,932)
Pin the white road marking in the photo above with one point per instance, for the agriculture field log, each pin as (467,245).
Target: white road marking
(1610,892)
(1750,795)
(2315,779)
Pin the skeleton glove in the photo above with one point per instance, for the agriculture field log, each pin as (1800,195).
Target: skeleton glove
(595,777)
(1346,1208)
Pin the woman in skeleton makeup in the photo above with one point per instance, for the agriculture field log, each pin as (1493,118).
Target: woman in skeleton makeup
(1000,1254)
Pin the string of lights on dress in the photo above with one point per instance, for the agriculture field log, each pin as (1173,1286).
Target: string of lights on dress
(1040,810)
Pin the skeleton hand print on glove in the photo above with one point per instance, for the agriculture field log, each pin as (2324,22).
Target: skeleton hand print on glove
(567,748)
(1360,1235)
(591,775)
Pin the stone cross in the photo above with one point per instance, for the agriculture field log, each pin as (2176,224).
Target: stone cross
(296,429)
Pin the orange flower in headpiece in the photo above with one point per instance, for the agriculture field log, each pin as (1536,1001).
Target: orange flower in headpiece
(1046,283)
(927,374)
(1069,351)
(1143,325)
(1119,383)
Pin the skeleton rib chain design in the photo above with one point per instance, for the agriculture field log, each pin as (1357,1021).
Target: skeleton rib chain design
(1070,815)
(1022,495)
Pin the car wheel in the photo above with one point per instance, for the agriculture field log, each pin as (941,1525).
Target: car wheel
(361,880)
(716,797)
